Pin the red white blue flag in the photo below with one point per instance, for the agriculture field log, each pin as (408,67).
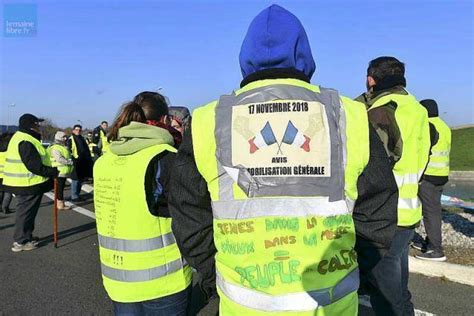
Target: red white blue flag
(266,137)
(295,137)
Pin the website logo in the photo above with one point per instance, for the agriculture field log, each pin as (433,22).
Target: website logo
(20,20)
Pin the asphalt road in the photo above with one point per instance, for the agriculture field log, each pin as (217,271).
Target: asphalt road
(67,280)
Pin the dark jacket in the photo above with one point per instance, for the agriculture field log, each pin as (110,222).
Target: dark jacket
(32,160)
(82,164)
(96,134)
(158,203)
(375,212)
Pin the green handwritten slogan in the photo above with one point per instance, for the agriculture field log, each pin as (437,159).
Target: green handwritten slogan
(270,253)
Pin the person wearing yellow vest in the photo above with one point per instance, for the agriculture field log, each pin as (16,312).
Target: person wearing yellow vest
(265,182)
(82,159)
(99,137)
(27,174)
(402,125)
(142,268)
(61,158)
(93,148)
(5,197)
(431,187)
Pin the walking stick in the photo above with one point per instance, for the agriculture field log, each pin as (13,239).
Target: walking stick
(55,214)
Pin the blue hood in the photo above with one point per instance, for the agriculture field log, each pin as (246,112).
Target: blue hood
(276,39)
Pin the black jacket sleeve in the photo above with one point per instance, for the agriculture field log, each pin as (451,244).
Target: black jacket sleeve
(96,135)
(32,160)
(190,208)
(159,207)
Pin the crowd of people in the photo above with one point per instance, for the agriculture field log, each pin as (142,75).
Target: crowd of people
(286,197)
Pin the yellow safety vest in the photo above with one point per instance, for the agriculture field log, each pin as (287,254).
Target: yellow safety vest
(2,162)
(91,146)
(412,120)
(15,172)
(139,257)
(64,170)
(282,175)
(104,141)
(438,164)
(74,152)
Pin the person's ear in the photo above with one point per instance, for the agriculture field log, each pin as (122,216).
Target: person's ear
(370,83)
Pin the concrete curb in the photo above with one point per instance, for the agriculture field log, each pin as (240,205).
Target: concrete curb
(461,175)
(462,126)
(452,272)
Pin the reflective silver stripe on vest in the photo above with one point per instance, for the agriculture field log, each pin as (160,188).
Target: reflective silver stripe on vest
(438,164)
(141,275)
(440,153)
(409,178)
(297,302)
(226,190)
(13,160)
(257,207)
(413,203)
(136,245)
(18,175)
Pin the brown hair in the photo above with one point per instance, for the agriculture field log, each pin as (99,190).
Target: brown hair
(153,104)
(130,112)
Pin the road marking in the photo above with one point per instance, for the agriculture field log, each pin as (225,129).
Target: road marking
(75,208)
(365,301)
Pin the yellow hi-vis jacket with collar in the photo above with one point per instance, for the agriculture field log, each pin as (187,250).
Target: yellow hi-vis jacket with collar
(438,164)
(139,257)
(15,172)
(412,120)
(281,159)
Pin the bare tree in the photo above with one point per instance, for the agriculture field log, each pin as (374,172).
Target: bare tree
(48,129)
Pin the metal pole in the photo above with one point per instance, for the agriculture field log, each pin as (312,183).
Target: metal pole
(55,214)
(8,113)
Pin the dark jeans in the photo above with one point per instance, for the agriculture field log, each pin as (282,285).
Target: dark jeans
(5,200)
(384,274)
(27,207)
(430,196)
(172,305)
(61,185)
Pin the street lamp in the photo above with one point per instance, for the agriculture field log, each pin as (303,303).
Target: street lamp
(8,113)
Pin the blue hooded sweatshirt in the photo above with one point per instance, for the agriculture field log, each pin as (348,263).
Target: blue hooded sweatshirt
(276,39)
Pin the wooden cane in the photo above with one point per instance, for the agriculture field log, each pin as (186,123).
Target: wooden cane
(55,214)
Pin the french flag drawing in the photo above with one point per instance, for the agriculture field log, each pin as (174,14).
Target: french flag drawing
(294,137)
(266,137)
